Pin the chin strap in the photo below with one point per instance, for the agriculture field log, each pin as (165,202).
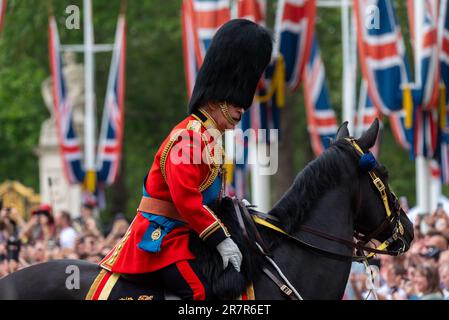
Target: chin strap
(225,111)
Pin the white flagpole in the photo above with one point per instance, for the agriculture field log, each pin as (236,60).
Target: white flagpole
(348,67)
(260,183)
(421,166)
(277,27)
(89,67)
(361,108)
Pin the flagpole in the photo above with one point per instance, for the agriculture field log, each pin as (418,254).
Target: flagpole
(260,181)
(348,81)
(361,108)
(89,123)
(277,26)
(421,164)
(353,57)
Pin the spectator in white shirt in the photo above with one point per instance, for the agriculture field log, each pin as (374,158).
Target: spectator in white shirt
(67,235)
(392,290)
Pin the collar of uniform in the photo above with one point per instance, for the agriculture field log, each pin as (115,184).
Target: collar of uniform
(205,118)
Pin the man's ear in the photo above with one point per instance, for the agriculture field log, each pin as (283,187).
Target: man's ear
(368,139)
(343,131)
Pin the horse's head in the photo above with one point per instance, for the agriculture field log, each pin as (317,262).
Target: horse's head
(378,214)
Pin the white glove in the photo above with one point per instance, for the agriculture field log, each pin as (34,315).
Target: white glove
(230,253)
(246,203)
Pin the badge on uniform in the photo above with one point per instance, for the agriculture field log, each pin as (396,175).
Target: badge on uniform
(159,227)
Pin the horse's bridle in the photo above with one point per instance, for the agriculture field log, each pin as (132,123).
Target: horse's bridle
(393,211)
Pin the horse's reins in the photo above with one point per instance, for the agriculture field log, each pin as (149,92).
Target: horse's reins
(260,218)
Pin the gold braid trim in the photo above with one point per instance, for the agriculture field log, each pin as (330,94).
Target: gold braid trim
(209,230)
(218,220)
(166,150)
(118,248)
(215,170)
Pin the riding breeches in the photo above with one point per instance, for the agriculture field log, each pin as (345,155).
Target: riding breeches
(185,280)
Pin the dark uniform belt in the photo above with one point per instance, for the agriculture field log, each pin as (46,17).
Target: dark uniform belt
(160,208)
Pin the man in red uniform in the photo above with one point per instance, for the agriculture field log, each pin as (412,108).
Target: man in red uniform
(187,175)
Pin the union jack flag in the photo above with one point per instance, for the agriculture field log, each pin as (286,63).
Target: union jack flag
(209,16)
(3,5)
(421,138)
(425,97)
(401,134)
(321,117)
(426,52)
(111,136)
(425,132)
(294,33)
(253,10)
(188,44)
(365,116)
(68,141)
(382,54)
(200,20)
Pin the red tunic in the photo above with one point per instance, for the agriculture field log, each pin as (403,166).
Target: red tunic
(178,175)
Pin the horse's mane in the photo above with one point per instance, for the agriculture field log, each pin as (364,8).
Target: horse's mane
(320,175)
(310,184)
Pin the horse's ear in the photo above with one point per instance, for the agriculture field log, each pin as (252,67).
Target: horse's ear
(343,131)
(368,139)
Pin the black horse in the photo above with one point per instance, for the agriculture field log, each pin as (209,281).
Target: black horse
(330,202)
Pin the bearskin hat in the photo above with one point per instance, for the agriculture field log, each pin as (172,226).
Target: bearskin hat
(239,53)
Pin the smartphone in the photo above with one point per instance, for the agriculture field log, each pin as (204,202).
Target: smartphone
(13,248)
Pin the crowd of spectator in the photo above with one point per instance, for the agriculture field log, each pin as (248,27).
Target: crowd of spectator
(422,273)
(48,236)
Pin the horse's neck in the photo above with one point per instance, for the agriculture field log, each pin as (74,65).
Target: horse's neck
(315,276)
(333,214)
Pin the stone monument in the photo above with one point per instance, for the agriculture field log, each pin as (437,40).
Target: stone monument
(59,193)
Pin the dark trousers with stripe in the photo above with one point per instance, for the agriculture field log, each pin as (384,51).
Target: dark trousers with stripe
(185,280)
